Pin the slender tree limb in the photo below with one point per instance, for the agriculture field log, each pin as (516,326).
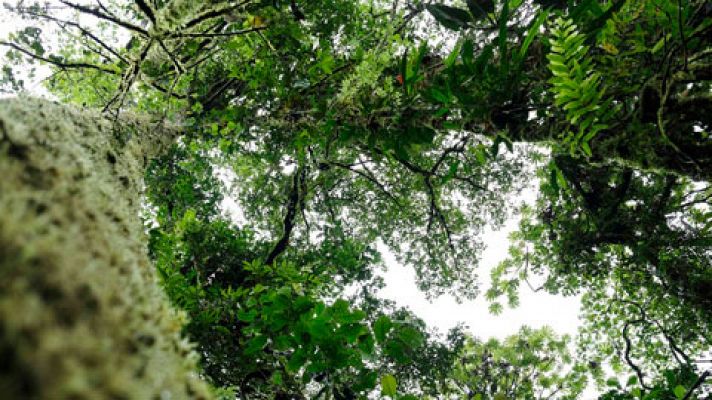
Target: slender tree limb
(129,78)
(289,217)
(174,60)
(368,177)
(105,16)
(697,384)
(628,360)
(214,13)
(216,34)
(57,63)
(76,25)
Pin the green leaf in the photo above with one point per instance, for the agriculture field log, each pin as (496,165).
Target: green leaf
(532,33)
(353,331)
(561,179)
(480,154)
(277,378)
(452,57)
(586,149)
(246,316)
(366,344)
(450,17)
(679,391)
(255,344)
(222,330)
(467,53)
(319,328)
(599,22)
(422,50)
(296,361)
(388,385)
(381,327)
(439,96)
(411,337)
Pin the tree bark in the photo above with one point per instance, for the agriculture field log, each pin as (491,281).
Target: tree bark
(81,313)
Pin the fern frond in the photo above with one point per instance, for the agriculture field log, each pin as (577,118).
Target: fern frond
(575,85)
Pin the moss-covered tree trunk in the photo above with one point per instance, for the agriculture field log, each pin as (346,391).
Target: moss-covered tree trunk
(81,312)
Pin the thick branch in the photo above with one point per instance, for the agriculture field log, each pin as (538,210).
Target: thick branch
(146,9)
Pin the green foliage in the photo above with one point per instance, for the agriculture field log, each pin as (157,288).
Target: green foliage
(312,130)
(450,17)
(531,363)
(576,86)
(674,384)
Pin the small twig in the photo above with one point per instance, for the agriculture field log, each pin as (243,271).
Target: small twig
(214,13)
(367,177)
(216,34)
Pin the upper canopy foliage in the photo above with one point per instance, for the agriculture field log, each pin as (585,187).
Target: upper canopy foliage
(332,124)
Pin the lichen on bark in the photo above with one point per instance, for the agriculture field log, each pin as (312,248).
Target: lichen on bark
(82,315)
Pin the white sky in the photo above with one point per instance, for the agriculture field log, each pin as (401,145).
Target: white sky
(535,309)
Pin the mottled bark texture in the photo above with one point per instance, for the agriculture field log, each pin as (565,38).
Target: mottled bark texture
(81,313)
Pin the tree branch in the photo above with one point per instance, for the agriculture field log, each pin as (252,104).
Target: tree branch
(697,384)
(288,224)
(97,13)
(628,360)
(215,34)
(214,13)
(368,177)
(143,6)
(57,63)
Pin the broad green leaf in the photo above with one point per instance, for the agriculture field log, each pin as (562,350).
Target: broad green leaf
(381,327)
(679,391)
(532,32)
(450,17)
(388,385)
(246,316)
(255,344)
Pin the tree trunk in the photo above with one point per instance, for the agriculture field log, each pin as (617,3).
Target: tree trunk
(81,313)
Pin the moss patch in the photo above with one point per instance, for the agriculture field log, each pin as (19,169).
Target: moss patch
(81,313)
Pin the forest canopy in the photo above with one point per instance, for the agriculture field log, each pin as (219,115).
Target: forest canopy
(334,125)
